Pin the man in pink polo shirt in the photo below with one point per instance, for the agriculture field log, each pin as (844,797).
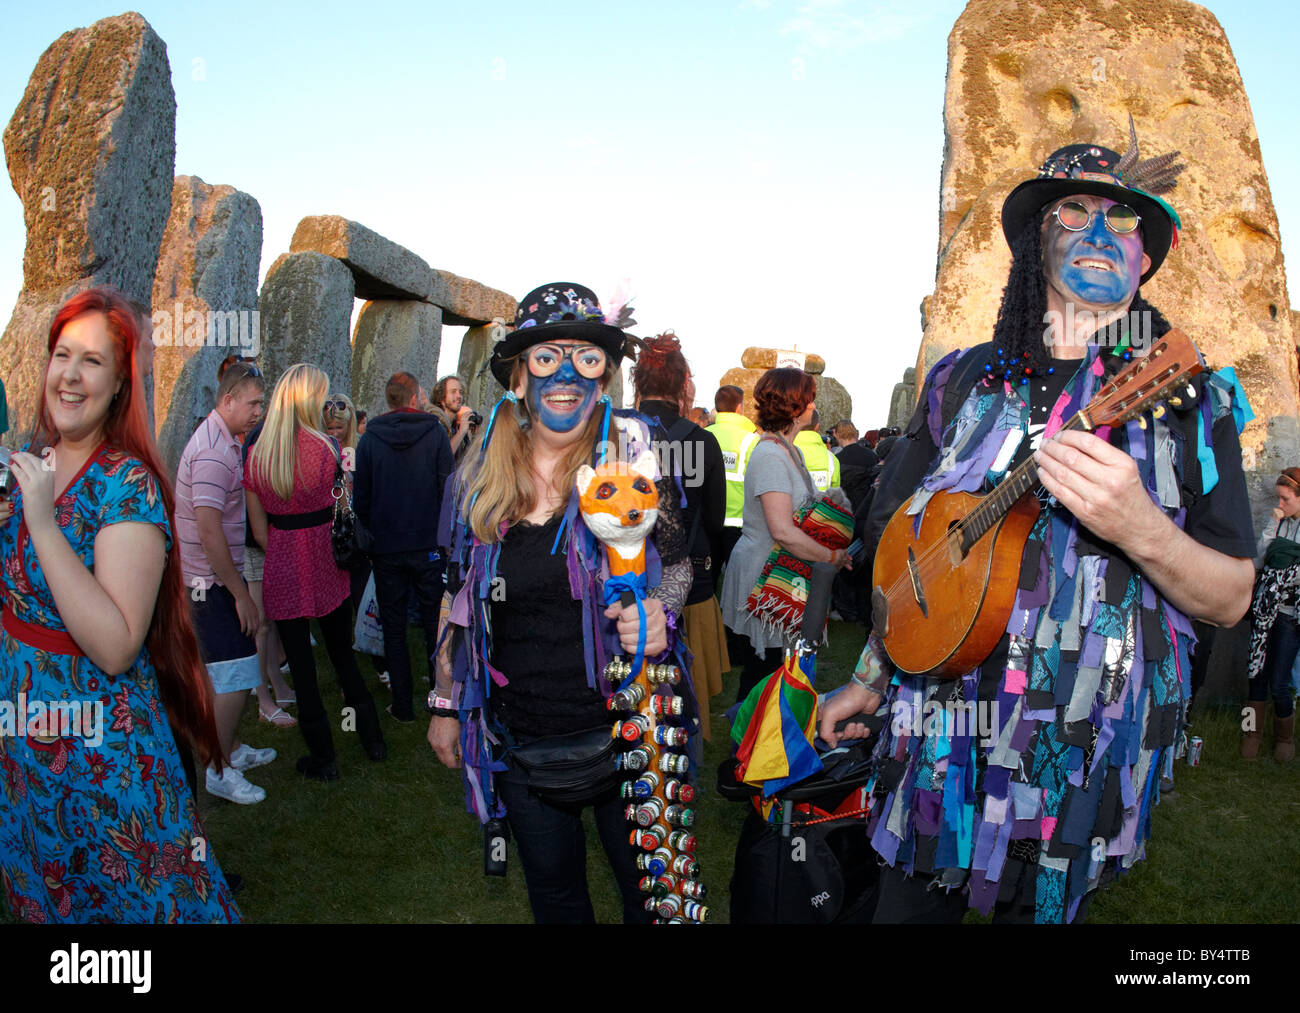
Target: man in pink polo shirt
(210,528)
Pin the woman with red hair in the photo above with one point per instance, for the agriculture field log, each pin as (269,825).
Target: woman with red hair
(100,662)
(776,484)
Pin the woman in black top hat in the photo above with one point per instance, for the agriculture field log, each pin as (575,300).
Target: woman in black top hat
(521,658)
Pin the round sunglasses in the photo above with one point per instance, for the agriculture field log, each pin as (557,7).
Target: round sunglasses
(588,360)
(339,407)
(1075,217)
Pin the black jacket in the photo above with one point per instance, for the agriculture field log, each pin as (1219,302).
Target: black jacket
(704,481)
(403,461)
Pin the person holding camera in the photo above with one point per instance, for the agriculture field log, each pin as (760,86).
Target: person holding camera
(457,418)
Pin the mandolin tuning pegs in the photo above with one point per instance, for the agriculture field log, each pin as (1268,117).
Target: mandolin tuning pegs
(1175,402)
(1157,413)
(1142,423)
(1191,392)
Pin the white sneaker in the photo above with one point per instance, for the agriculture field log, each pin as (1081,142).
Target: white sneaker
(246,757)
(233,787)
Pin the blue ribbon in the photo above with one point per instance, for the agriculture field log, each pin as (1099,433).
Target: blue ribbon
(614,588)
(604,428)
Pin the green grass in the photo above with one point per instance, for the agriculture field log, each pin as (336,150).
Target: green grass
(391,842)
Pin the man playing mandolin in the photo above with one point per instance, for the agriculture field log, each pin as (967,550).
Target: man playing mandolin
(1111,511)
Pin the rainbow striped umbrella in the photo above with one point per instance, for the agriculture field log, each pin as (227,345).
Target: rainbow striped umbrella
(775,726)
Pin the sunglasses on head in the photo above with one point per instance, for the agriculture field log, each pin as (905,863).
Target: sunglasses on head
(588,360)
(1075,217)
(339,407)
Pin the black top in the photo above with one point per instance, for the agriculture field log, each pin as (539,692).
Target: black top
(855,455)
(697,458)
(858,466)
(537,639)
(403,461)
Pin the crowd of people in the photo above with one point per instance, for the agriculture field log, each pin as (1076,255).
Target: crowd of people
(170,600)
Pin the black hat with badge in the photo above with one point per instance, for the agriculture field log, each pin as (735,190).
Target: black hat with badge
(563,311)
(1101,172)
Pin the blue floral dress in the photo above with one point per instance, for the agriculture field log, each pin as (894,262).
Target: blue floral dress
(97,823)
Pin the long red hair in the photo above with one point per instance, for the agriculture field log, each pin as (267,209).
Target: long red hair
(182,681)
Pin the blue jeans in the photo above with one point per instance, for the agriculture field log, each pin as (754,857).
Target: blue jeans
(1275,676)
(553,850)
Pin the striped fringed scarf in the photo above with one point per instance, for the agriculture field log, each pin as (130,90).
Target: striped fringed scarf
(779,597)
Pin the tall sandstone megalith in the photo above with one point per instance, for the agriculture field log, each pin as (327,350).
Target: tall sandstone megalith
(204,303)
(391,336)
(91,151)
(1025,78)
(306,312)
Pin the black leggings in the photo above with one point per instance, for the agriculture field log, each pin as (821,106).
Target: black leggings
(336,630)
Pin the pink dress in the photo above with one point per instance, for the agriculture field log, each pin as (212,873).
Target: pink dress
(302,579)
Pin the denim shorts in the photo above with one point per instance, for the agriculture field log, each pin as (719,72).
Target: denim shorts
(230,656)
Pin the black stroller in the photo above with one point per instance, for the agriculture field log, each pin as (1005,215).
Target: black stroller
(813,864)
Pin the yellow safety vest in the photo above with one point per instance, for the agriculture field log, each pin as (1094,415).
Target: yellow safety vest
(737,437)
(823,466)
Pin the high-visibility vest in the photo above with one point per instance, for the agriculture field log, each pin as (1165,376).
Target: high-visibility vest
(823,466)
(737,437)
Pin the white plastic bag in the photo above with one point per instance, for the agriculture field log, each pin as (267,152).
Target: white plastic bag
(368,637)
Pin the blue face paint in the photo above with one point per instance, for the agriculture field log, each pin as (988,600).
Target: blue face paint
(1095,267)
(564,400)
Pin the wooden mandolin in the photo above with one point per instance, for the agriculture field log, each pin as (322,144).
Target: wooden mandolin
(942,596)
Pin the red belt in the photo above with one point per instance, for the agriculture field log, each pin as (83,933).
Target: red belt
(41,637)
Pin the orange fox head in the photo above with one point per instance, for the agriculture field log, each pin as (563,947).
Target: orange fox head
(619,503)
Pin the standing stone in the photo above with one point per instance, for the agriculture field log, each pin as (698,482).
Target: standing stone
(833,402)
(382,268)
(1025,79)
(306,310)
(393,335)
(91,150)
(902,402)
(204,303)
(481,388)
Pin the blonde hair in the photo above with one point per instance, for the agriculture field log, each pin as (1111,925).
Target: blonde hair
(298,402)
(349,438)
(501,489)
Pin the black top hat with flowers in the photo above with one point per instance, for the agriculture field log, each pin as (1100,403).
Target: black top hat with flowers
(562,311)
(1091,169)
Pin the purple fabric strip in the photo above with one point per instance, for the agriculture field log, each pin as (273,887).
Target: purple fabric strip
(1135,436)
(999,857)
(997,781)
(983,894)
(928,812)
(939,380)
(1094,645)
(1024,729)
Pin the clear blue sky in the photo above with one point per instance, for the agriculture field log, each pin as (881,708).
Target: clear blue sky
(764,172)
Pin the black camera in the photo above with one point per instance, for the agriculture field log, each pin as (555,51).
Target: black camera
(474,419)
